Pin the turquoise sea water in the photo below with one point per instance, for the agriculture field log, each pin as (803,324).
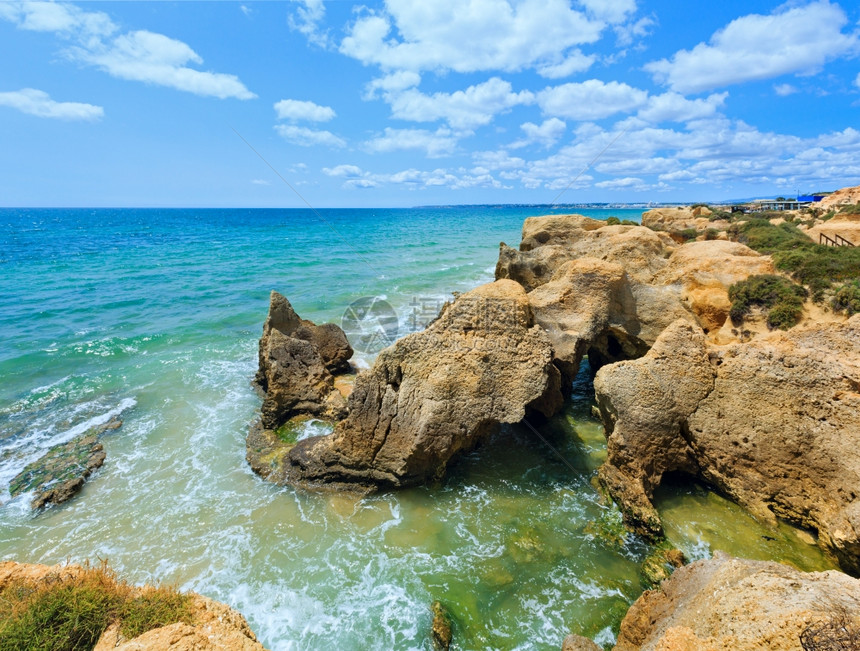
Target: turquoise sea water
(154,316)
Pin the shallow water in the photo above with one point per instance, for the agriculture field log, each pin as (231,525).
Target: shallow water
(154,316)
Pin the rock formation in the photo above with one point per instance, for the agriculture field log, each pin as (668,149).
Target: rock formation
(728,604)
(846,225)
(436,393)
(298,363)
(609,291)
(58,475)
(682,218)
(773,423)
(842,197)
(214,626)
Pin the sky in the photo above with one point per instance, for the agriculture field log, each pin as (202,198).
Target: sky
(407,102)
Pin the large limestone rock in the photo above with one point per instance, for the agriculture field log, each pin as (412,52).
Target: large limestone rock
(609,291)
(298,361)
(436,393)
(728,604)
(773,423)
(214,626)
(681,218)
(842,197)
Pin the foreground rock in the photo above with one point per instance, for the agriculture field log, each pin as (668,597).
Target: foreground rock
(609,291)
(774,424)
(298,363)
(728,604)
(61,473)
(436,393)
(213,626)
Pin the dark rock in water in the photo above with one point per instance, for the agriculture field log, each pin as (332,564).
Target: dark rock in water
(436,393)
(579,643)
(297,363)
(61,473)
(441,631)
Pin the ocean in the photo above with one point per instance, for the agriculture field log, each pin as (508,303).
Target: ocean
(153,316)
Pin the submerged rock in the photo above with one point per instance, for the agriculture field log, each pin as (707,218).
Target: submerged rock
(441,627)
(61,473)
(436,393)
(729,604)
(773,423)
(298,361)
(578,643)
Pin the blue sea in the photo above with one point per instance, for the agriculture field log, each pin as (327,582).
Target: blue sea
(153,316)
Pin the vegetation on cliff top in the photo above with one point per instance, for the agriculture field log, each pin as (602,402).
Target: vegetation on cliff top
(778,296)
(70,609)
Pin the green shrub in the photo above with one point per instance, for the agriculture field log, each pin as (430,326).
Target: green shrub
(781,298)
(851,209)
(629,222)
(847,298)
(687,234)
(613,221)
(720,214)
(830,214)
(711,233)
(69,610)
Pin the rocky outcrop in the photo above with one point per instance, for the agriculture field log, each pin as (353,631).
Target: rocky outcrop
(579,643)
(61,473)
(436,393)
(298,361)
(210,625)
(773,423)
(683,218)
(728,604)
(609,291)
(842,197)
(845,225)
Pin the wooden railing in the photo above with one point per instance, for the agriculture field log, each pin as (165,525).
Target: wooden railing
(836,240)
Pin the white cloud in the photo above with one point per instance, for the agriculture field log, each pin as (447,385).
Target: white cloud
(462,109)
(346,171)
(545,134)
(857,81)
(158,59)
(794,39)
(245,9)
(469,35)
(590,100)
(64,18)
(784,89)
(677,108)
(308,137)
(627,34)
(39,103)
(260,182)
(435,144)
(306,20)
(628,182)
(576,61)
(138,56)
(612,11)
(293,109)
(396,81)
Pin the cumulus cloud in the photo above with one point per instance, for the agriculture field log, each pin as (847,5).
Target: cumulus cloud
(794,39)
(628,33)
(138,55)
(784,89)
(462,109)
(590,100)
(857,81)
(308,137)
(392,83)
(471,35)
(306,20)
(673,107)
(357,178)
(39,103)
(612,11)
(545,134)
(435,144)
(293,109)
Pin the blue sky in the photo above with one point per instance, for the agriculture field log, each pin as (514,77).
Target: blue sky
(405,103)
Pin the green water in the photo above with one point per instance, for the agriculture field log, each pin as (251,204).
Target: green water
(154,316)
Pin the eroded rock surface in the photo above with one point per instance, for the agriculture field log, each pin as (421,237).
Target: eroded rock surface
(436,393)
(61,473)
(728,604)
(773,423)
(298,361)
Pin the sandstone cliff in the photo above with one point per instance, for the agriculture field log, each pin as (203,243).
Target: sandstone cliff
(728,604)
(773,423)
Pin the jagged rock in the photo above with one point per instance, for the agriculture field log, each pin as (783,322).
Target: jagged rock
(773,423)
(578,643)
(729,604)
(61,473)
(436,393)
(441,627)
(681,218)
(297,363)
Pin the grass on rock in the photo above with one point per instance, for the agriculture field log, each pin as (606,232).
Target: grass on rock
(778,296)
(70,609)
